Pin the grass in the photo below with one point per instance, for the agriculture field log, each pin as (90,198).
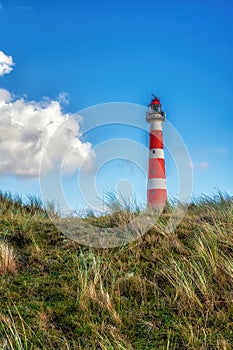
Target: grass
(162,291)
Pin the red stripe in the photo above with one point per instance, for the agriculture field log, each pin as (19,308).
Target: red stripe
(156,139)
(156,197)
(156,168)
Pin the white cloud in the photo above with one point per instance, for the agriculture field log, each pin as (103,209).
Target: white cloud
(64,98)
(221,151)
(25,129)
(200,166)
(6,63)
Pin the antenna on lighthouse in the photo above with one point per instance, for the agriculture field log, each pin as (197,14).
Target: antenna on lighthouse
(156,185)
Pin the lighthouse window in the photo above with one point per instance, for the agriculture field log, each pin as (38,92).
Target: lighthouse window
(156,108)
(153,151)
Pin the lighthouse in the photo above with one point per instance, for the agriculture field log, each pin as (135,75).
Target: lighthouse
(156,186)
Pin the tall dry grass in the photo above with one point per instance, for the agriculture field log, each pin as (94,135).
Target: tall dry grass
(7,259)
(162,291)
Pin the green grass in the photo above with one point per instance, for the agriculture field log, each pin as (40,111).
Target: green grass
(163,291)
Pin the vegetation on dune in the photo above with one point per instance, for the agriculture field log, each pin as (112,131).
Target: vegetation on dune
(162,291)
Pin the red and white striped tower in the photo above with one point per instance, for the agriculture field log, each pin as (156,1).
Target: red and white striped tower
(156,187)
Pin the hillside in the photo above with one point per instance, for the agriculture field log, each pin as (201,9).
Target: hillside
(163,291)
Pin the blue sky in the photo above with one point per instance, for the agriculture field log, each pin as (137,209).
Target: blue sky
(121,51)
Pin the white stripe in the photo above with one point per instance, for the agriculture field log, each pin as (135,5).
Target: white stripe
(156,153)
(153,184)
(155,125)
